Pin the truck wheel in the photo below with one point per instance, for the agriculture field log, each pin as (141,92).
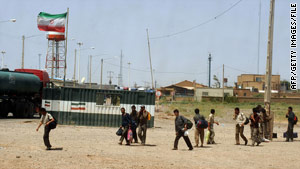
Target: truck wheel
(4,108)
(30,110)
(20,109)
(26,110)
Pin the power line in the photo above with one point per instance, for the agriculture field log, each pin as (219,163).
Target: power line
(201,24)
(236,69)
(161,72)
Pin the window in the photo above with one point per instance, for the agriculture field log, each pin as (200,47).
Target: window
(245,94)
(258,79)
(204,93)
(107,99)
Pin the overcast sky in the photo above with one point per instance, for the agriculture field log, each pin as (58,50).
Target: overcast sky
(114,25)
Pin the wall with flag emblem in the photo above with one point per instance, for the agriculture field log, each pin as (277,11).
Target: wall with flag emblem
(95,107)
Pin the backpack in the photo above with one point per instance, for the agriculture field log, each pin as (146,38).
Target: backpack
(53,124)
(202,124)
(149,116)
(295,120)
(189,124)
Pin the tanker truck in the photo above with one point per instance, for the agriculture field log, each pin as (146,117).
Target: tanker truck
(21,91)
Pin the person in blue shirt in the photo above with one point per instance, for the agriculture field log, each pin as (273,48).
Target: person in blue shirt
(126,123)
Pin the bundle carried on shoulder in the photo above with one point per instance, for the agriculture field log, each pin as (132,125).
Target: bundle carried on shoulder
(295,120)
(189,124)
(53,124)
(247,121)
(202,124)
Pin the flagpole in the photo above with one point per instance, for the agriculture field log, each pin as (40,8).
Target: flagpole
(66,47)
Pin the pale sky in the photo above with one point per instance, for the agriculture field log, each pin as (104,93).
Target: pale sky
(114,25)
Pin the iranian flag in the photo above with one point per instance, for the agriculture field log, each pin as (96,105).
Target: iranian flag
(51,22)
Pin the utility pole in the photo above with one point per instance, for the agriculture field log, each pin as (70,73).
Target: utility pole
(66,48)
(90,74)
(79,44)
(101,74)
(23,41)
(129,74)
(258,44)
(209,68)
(121,70)
(74,75)
(150,59)
(40,61)
(110,76)
(267,98)
(223,85)
(2,64)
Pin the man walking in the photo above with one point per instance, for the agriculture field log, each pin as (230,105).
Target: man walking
(143,118)
(290,115)
(134,118)
(211,121)
(180,128)
(239,127)
(198,131)
(255,122)
(126,123)
(46,119)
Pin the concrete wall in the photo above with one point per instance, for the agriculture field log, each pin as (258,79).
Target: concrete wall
(212,92)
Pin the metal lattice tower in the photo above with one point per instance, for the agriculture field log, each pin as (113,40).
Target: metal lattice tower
(55,59)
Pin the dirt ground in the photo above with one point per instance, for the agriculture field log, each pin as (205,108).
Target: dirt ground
(97,147)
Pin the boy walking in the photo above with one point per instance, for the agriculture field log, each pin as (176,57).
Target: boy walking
(255,124)
(126,123)
(46,119)
(134,118)
(239,127)
(211,121)
(290,115)
(198,131)
(143,118)
(180,128)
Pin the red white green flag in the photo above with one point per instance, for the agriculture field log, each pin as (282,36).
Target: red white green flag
(51,22)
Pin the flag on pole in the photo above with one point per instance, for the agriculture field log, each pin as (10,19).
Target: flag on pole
(51,22)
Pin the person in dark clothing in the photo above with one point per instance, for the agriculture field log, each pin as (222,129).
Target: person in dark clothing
(143,118)
(180,128)
(126,123)
(255,119)
(134,118)
(290,115)
(198,131)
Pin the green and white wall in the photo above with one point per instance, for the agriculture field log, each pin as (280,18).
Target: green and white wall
(75,106)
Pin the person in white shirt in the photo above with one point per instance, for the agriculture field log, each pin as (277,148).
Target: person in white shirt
(239,127)
(46,119)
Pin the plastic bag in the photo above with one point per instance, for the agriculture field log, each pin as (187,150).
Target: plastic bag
(207,135)
(186,133)
(119,132)
(129,135)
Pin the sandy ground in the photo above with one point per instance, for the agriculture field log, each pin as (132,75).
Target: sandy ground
(96,147)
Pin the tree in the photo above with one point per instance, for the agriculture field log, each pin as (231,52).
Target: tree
(217,83)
